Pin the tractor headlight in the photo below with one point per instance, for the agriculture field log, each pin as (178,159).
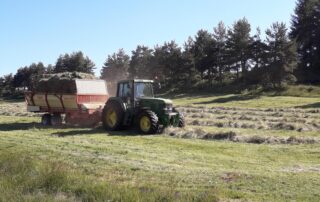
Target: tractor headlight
(168,108)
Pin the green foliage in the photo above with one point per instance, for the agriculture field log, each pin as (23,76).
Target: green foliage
(281,56)
(306,32)
(27,76)
(141,63)
(238,44)
(116,67)
(74,62)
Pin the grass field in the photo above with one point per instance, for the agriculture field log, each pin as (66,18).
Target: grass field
(235,148)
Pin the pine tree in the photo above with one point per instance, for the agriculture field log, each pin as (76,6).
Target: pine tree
(306,32)
(116,67)
(204,48)
(189,69)
(74,62)
(220,36)
(281,59)
(168,63)
(141,63)
(238,45)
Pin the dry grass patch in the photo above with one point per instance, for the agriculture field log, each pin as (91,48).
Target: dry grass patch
(197,133)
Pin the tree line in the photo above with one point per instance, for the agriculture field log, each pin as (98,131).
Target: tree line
(222,56)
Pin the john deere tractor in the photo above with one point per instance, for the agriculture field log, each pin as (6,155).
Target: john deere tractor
(135,105)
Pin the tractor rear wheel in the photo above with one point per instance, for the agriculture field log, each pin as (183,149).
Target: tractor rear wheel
(112,116)
(148,122)
(46,120)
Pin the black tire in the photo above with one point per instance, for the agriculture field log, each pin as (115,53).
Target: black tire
(182,122)
(108,124)
(152,119)
(56,120)
(46,120)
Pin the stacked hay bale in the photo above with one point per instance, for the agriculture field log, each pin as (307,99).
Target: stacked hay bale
(60,82)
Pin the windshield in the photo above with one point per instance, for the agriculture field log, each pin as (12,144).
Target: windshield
(143,90)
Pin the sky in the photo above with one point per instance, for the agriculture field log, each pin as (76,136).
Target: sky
(41,30)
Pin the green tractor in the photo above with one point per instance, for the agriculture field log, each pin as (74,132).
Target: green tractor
(135,105)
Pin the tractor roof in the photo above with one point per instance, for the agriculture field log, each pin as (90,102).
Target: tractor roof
(137,80)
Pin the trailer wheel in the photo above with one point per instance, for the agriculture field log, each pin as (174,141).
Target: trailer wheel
(46,120)
(112,116)
(148,122)
(56,120)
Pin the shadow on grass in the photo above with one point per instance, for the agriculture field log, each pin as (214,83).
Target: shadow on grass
(93,131)
(19,126)
(314,105)
(75,130)
(234,98)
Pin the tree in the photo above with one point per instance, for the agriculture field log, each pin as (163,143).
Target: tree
(7,87)
(281,59)
(50,69)
(116,67)
(168,63)
(220,36)
(74,62)
(306,32)
(238,44)
(204,48)
(141,63)
(258,60)
(188,67)
(28,75)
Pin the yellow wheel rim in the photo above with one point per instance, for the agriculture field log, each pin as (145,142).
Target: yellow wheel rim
(145,124)
(111,118)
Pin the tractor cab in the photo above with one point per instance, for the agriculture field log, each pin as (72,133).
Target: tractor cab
(131,91)
(135,104)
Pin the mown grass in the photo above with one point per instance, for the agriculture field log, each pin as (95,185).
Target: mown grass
(235,100)
(68,164)
(300,96)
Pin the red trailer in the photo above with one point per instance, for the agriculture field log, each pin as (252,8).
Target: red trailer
(83,107)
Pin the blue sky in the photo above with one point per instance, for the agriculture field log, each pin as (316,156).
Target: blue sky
(41,30)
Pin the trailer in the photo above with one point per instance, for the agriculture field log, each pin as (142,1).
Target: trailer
(82,106)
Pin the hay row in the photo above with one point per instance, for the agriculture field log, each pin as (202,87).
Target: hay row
(234,137)
(255,125)
(249,113)
(244,117)
(289,110)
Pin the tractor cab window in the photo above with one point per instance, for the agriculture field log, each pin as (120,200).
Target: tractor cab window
(143,90)
(125,90)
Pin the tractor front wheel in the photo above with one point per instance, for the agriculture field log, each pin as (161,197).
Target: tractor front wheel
(148,122)
(182,123)
(112,116)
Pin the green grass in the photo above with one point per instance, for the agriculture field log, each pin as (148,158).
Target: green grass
(67,164)
(247,101)
(81,164)
(302,96)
